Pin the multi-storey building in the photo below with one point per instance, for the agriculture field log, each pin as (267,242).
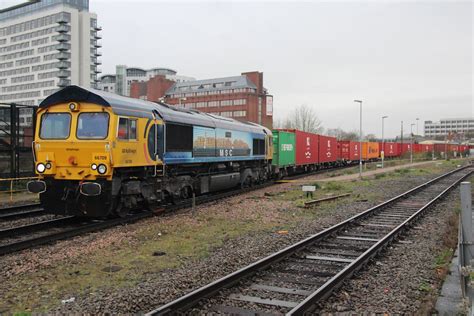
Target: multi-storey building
(46,45)
(121,81)
(240,97)
(448,126)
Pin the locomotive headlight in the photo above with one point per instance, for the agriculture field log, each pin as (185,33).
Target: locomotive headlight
(48,165)
(40,168)
(102,169)
(94,166)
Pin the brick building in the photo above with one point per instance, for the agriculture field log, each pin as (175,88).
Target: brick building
(153,89)
(240,97)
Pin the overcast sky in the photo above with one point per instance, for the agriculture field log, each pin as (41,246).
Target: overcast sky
(403,59)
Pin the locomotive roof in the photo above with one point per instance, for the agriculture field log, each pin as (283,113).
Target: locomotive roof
(139,108)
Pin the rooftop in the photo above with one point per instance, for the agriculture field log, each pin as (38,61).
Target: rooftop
(36,5)
(234,82)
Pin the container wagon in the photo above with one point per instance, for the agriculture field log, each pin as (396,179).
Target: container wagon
(417,148)
(427,148)
(306,152)
(348,151)
(390,149)
(370,151)
(327,150)
(283,152)
(405,147)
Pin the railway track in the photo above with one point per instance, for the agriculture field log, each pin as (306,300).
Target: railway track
(296,278)
(19,211)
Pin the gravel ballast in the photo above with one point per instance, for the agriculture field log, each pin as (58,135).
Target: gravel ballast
(161,286)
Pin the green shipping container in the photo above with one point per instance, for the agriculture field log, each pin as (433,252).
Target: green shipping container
(283,148)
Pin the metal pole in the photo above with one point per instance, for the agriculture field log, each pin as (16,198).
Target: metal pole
(401,141)
(383,141)
(360,142)
(360,139)
(411,144)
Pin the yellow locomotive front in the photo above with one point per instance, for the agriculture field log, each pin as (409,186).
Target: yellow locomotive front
(88,158)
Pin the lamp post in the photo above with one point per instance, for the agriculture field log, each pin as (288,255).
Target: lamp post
(382,153)
(411,142)
(417,119)
(360,139)
(179,101)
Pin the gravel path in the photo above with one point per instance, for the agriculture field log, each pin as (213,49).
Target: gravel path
(163,286)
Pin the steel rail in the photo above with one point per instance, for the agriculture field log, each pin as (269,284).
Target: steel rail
(35,226)
(332,284)
(192,298)
(71,232)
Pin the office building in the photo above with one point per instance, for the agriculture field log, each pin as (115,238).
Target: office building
(445,127)
(121,81)
(46,45)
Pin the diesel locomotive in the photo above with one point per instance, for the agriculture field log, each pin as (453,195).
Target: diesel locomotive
(98,154)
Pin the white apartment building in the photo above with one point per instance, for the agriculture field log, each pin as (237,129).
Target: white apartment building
(124,76)
(446,126)
(46,45)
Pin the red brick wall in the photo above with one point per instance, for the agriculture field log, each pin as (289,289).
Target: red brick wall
(153,89)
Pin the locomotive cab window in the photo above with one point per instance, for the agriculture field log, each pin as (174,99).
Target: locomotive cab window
(127,129)
(55,125)
(93,125)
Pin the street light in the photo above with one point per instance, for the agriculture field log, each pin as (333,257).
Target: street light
(411,142)
(360,139)
(179,101)
(417,119)
(382,154)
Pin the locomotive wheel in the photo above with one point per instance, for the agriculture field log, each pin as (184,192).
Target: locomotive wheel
(186,193)
(120,209)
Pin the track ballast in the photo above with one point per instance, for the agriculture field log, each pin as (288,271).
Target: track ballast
(296,278)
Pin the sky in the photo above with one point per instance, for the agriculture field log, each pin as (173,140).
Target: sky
(403,59)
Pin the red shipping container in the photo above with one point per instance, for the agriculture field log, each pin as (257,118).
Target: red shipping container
(416,148)
(327,149)
(405,147)
(426,148)
(391,149)
(441,148)
(306,147)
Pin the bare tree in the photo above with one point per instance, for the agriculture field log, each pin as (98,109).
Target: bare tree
(303,118)
(340,134)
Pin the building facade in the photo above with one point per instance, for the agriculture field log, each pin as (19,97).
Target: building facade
(449,126)
(121,81)
(46,45)
(240,97)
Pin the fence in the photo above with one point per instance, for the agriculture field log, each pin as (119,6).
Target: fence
(466,248)
(16,135)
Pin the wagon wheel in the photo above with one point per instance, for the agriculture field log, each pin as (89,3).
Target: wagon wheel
(185,193)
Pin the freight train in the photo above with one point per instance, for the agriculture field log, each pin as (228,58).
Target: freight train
(98,154)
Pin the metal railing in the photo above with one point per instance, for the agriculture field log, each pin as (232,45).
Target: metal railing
(465,244)
(13,186)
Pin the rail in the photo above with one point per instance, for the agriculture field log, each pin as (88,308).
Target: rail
(187,301)
(12,188)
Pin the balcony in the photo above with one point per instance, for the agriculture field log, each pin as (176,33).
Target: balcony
(97,54)
(62,38)
(63,47)
(63,18)
(97,45)
(97,28)
(64,82)
(63,56)
(64,74)
(63,65)
(63,28)
(96,61)
(97,71)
